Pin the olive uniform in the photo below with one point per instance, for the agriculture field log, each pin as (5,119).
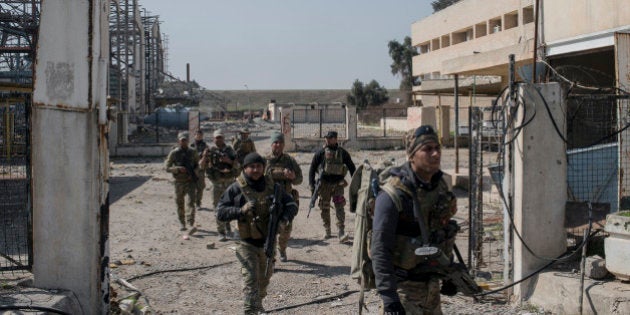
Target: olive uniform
(253,229)
(333,163)
(184,183)
(275,169)
(200,146)
(221,175)
(396,234)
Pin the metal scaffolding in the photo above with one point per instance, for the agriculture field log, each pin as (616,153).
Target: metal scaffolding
(19,22)
(136,58)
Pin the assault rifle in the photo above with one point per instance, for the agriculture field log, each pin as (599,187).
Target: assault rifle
(275,212)
(190,169)
(443,268)
(318,184)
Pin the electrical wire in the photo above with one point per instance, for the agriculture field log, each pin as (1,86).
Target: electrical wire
(177,270)
(32,308)
(316,301)
(541,269)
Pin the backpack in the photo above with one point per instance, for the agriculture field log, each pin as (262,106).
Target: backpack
(364,186)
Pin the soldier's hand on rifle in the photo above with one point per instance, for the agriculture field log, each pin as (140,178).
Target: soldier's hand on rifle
(248,207)
(289,174)
(283,224)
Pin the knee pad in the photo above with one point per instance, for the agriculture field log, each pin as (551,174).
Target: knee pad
(339,200)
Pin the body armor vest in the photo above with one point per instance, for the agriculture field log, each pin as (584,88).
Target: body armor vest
(436,206)
(276,167)
(183,157)
(333,162)
(254,224)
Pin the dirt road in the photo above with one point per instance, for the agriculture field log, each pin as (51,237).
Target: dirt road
(202,276)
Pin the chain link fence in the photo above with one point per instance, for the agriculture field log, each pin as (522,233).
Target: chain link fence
(15,174)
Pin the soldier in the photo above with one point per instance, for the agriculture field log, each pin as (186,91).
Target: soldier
(283,169)
(221,168)
(332,162)
(182,162)
(200,146)
(243,145)
(248,201)
(415,199)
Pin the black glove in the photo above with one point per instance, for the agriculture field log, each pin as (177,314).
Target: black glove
(448,288)
(395,308)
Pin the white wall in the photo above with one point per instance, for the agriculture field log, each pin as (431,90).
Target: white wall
(69,156)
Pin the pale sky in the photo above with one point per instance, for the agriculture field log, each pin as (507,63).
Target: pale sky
(284,44)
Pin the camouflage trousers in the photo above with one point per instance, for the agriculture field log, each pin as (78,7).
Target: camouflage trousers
(216,190)
(284,231)
(420,298)
(284,234)
(201,185)
(255,281)
(334,191)
(187,215)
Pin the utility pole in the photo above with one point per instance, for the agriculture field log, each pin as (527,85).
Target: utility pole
(249,102)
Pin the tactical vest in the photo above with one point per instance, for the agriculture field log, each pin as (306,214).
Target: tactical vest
(436,206)
(199,146)
(333,162)
(276,167)
(254,225)
(183,157)
(217,172)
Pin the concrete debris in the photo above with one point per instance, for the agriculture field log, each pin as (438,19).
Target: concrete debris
(595,268)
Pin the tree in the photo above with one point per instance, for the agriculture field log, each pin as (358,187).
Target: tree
(442,4)
(363,95)
(402,55)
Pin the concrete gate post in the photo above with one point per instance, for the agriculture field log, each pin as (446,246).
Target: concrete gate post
(70,156)
(285,127)
(351,126)
(540,185)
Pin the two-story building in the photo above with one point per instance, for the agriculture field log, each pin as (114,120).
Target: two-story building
(473,39)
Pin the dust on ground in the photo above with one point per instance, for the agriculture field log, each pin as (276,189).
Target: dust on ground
(202,275)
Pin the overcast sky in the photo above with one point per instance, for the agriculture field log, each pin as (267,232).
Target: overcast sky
(284,44)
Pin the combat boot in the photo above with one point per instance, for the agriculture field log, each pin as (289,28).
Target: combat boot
(327,234)
(183,227)
(222,237)
(343,237)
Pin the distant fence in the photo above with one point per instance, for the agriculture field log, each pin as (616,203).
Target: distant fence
(315,122)
(381,122)
(16,244)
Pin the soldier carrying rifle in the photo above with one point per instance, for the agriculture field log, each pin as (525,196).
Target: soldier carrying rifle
(412,231)
(182,162)
(260,211)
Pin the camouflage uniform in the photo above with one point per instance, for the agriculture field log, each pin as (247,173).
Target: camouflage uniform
(333,164)
(275,168)
(200,146)
(184,184)
(243,147)
(253,229)
(221,175)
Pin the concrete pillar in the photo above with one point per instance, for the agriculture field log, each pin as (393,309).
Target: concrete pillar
(285,126)
(540,189)
(443,125)
(70,155)
(351,126)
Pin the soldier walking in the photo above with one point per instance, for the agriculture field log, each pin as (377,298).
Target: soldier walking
(285,170)
(248,201)
(331,163)
(243,145)
(413,210)
(200,146)
(182,162)
(221,168)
